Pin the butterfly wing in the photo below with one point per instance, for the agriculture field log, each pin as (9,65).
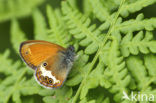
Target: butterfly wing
(54,73)
(33,52)
(51,62)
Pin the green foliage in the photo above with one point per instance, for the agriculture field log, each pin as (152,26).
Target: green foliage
(115,44)
(16,8)
(138,43)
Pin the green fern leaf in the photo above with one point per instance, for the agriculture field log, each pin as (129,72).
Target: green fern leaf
(59,33)
(138,43)
(62,95)
(135,66)
(81,29)
(17,35)
(6,61)
(150,63)
(40,29)
(136,25)
(117,73)
(92,82)
(100,11)
(135,6)
(17,8)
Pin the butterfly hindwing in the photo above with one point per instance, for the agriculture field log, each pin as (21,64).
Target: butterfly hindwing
(52,72)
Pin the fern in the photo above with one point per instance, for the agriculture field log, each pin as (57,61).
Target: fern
(116,72)
(134,7)
(15,30)
(99,10)
(17,8)
(14,84)
(136,25)
(115,46)
(7,62)
(150,64)
(134,45)
(137,63)
(40,27)
(81,29)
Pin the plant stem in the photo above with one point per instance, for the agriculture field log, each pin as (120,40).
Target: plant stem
(98,52)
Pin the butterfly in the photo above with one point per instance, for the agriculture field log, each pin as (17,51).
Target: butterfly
(51,62)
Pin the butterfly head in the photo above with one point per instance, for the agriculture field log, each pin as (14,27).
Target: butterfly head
(69,55)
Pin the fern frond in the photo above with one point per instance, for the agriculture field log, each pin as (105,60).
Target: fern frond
(87,101)
(135,6)
(106,100)
(17,35)
(116,72)
(148,92)
(93,80)
(40,28)
(7,62)
(100,11)
(80,27)
(138,43)
(59,34)
(46,92)
(150,63)
(135,66)
(17,8)
(62,95)
(87,8)
(110,4)
(15,86)
(136,25)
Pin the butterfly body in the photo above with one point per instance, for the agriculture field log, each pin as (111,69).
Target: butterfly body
(51,62)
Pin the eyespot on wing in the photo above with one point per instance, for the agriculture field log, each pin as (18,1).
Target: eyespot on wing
(47,79)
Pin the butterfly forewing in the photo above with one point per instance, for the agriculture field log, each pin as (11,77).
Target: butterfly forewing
(34,52)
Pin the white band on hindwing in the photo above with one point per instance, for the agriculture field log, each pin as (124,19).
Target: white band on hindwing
(48,74)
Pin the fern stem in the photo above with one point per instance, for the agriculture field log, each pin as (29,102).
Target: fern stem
(84,80)
(112,24)
(98,52)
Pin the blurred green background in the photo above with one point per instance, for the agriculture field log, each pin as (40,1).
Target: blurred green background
(24,19)
(26,22)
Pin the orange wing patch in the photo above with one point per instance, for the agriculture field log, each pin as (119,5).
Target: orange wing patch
(34,52)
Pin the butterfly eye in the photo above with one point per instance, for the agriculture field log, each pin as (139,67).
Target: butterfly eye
(45,64)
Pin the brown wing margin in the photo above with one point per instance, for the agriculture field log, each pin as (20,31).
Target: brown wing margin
(20,51)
